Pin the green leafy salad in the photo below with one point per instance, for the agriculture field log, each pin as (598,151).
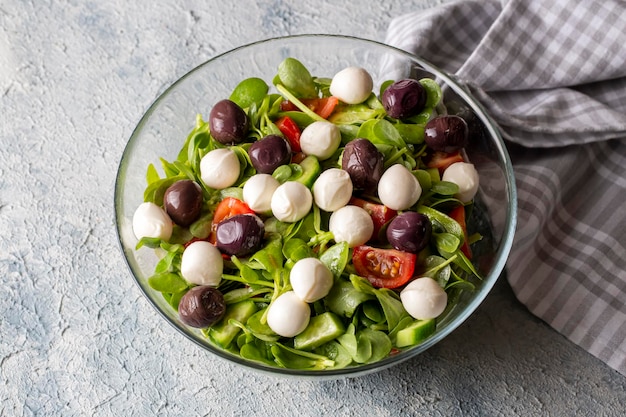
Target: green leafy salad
(320,226)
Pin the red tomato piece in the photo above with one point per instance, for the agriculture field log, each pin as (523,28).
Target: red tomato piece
(287,105)
(292,132)
(323,107)
(442,160)
(298,157)
(228,207)
(458,214)
(384,268)
(379,213)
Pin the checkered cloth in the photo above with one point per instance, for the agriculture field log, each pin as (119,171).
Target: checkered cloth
(553,76)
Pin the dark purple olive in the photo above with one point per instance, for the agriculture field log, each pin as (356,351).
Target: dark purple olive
(269,153)
(446,134)
(240,235)
(202,306)
(228,122)
(183,202)
(364,163)
(404,98)
(409,232)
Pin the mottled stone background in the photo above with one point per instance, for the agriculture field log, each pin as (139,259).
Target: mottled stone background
(77,337)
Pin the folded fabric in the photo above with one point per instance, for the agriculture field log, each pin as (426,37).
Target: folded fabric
(553,76)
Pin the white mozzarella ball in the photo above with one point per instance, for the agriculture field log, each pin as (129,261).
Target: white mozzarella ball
(352,85)
(332,189)
(351,224)
(202,264)
(219,168)
(288,315)
(291,201)
(150,220)
(320,139)
(258,191)
(398,188)
(423,298)
(311,279)
(465,176)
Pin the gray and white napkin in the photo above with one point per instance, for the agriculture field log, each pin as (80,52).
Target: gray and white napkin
(553,76)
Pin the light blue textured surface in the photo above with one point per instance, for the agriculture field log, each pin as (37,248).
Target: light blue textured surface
(76,336)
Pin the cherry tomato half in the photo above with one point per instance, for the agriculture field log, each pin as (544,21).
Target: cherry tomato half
(458,214)
(379,213)
(291,130)
(442,160)
(323,107)
(384,268)
(228,207)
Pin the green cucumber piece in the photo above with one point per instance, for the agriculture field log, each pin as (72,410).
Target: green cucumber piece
(223,333)
(415,333)
(321,329)
(311,169)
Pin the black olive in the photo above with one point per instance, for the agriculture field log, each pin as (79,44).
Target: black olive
(446,134)
(202,306)
(409,232)
(269,153)
(228,122)
(240,235)
(183,202)
(364,163)
(404,98)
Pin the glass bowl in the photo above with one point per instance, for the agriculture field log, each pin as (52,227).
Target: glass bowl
(162,130)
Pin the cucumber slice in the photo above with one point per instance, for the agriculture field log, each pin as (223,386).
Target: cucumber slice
(223,333)
(415,333)
(311,169)
(321,329)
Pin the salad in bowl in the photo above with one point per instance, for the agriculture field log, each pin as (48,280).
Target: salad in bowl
(316,223)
